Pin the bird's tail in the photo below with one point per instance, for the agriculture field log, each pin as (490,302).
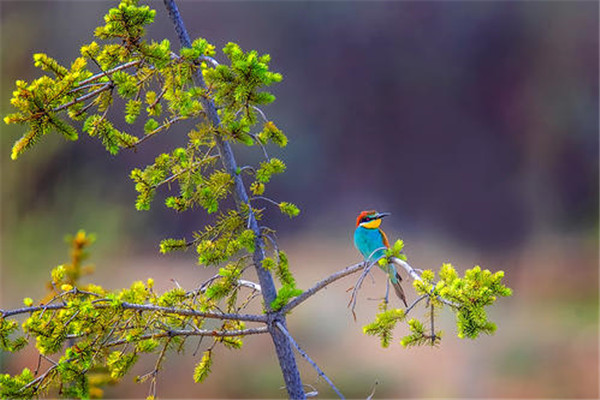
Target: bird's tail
(398,288)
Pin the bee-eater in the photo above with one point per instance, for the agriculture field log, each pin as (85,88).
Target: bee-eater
(371,241)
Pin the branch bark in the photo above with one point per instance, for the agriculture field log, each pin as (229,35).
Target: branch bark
(193,332)
(145,307)
(283,347)
(322,284)
(310,361)
(413,274)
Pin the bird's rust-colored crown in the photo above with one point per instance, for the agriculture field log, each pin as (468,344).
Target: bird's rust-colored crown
(364,214)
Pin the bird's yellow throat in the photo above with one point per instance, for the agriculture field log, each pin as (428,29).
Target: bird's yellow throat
(371,224)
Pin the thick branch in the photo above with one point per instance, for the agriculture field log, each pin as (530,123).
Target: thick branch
(285,353)
(310,361)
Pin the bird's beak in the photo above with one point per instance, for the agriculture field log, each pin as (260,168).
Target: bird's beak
(383,214)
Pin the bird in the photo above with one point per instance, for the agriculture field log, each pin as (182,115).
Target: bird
(371,241)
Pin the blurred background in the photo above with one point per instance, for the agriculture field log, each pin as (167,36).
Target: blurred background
(474,123)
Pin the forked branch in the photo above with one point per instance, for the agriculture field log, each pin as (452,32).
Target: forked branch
(307,358)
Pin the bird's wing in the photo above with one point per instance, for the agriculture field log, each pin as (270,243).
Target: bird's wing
(384,237)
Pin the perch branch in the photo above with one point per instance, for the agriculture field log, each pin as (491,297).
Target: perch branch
(322,284)
(415,275)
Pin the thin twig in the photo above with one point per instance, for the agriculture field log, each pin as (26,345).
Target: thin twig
(84,109)
(86,86)
(110,71)
(209,60)
(261,113)
(262,146)
(307,358)
(102,70)
(155,131)
(414,303)
(84,97)
(249,284)
(357,286)
(370,397)
(265,199)
(431,318)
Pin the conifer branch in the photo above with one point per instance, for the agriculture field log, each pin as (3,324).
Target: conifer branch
(193,332)
(109,72)
(100,304)
(282,345)
(89,95)
(177,175)
(414,274)
(150,134)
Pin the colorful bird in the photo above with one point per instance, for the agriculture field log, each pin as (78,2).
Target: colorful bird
(371,241)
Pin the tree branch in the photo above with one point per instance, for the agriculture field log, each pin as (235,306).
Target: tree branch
(411,271)
(110,71)
(358,285)
(307,358)
(414,303)
(285,353)
(406,266)
(84,97)
(193,332)
(144,307)
(323,283)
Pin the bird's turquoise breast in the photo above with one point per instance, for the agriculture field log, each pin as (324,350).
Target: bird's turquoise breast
(367,241)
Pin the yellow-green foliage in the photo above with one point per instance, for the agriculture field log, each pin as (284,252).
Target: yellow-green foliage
(159,89)
(418,336)
(395,251)
(16,387)
(467,297)
(227,237)
(271,133)
(268,169)
(476,290)
(203,367)
(288,288)
(384,324)
(289,209)
(99,334)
